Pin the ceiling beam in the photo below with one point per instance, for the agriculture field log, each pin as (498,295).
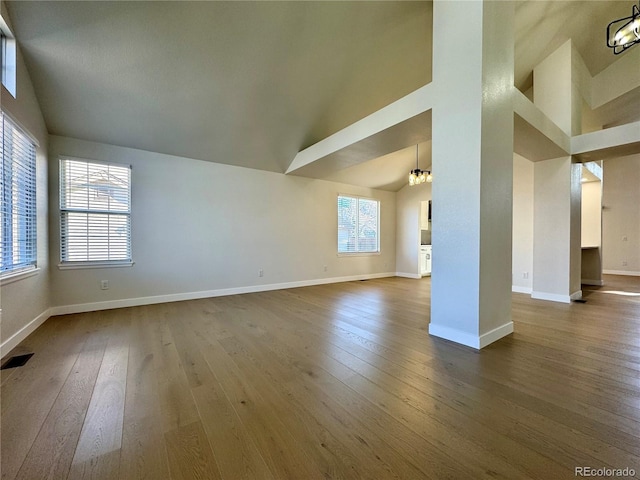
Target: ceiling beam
(404,122)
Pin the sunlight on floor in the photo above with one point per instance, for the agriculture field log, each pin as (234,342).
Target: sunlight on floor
(618,292)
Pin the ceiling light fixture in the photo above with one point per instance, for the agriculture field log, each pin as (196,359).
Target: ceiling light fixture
(417,176)
(625,32)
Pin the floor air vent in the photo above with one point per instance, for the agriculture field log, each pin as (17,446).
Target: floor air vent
(17,361)
(580,300)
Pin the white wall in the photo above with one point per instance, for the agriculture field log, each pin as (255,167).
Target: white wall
(408,231)
(522,248)
(408,227)
(553,89)
(621,215)
(591,214)
(23,302)
(200,226)
(556,230)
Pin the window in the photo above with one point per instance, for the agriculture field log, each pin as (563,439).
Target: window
(18,181)
(95,212)
(358,225)
(8,58)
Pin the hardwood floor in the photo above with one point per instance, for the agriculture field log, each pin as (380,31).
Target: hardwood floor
(332,381)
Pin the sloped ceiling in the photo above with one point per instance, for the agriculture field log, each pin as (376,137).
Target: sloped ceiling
(242,83)
(253,83)
(543,26)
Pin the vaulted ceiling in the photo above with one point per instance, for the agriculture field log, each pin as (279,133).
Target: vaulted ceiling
(252,83)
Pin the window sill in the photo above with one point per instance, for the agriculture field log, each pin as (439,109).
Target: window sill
(82,265)
(358,254)
(15,276)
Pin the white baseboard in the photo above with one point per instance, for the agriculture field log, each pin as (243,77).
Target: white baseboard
(576,295)
(468,339)
(408,275)
(587,281)
(177,297)
(496,334)
(11,342)
(517,289)
(622,272)
(552,297)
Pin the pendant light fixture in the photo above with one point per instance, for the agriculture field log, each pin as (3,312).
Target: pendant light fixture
(417,176)
(625,32)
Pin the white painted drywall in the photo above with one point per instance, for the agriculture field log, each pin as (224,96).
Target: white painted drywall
(591,214)
(552,87)
(24,300)
(199,226)
(620,77)
(556,227)
(522,264)
(621,215)
(408,227)
(473,157)
(575,220)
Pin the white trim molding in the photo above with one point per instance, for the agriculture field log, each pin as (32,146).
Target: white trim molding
(518,289)
(496,334)
(177,297)
(11,342)
(470,340)
(408,275)
(15,276)
(621,272)
(587,281)
(94,265)
(551,297)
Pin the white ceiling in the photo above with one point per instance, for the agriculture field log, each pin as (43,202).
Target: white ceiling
(253,83)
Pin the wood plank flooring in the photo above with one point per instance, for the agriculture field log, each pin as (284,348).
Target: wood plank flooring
(335,381)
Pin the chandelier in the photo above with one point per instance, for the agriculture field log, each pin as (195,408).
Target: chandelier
(417,176)
(625,32)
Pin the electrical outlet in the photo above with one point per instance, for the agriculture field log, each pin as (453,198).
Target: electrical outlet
(104,284)
(261,273)
(624,264)
(525,275)
(325,268)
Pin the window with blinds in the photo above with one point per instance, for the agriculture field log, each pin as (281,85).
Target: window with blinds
(18,237)
(95,212)
(358,225)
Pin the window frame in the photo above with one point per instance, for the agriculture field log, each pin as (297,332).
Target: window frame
(378,223)
(83,264)
(25,165)
(8,57)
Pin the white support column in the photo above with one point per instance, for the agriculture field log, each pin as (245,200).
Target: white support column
(473,168)
(552,87)
(557,188)
(556,230)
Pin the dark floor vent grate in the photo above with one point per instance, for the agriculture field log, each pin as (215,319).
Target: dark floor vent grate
(17,361)
(580,300)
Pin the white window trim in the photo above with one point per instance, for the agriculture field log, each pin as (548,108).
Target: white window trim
(363,254)
(19,275)
(82,265)
(8,59)
(359,254)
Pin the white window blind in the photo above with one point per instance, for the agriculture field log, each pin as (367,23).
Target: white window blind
(358,225)
(95,212)
(18,237)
